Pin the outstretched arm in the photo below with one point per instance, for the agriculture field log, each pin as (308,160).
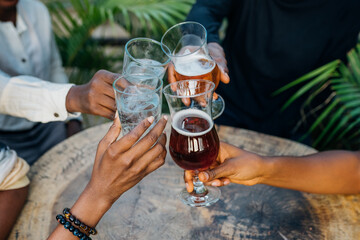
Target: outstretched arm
(327,172)
(331,172)
(42,101)
(119,165)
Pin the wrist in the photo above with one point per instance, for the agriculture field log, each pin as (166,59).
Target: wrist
(268,166)
(90,208)
(71,100)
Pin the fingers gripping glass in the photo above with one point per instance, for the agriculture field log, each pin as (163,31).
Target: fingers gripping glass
(138,97)
(194,143)
(186,45)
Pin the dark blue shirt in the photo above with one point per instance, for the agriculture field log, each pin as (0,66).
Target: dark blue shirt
(270,43)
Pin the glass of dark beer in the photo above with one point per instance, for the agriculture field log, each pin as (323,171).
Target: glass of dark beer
(194,143)
(186,45)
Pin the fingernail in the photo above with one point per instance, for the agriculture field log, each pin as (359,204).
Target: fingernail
(165,117)
(206,175)
(150,119)
(116,115)
(226,182)
(214,184)
(187,186)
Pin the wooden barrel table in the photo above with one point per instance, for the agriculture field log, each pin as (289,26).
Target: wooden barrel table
(152,210)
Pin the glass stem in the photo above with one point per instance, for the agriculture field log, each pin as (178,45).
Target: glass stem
(199,187)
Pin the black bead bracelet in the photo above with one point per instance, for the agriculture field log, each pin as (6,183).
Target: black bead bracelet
(77,222)
(75,231)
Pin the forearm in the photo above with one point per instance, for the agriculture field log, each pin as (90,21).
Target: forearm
(89,209)
(34,99)
(327,172)
(210,14)
(11,204)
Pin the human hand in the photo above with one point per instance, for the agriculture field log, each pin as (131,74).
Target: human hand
(95,97)
(120,165)
(232,165)
(217,53)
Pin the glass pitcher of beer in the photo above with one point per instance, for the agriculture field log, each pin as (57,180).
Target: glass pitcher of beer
(186,45)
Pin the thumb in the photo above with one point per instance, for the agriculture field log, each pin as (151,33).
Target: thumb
(224,76)
(108,139)
(218,172)
(111,136)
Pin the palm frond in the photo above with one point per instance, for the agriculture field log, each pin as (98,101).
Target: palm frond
(75,20)
(148,17)
(337,126)
(318,80)
(326,68)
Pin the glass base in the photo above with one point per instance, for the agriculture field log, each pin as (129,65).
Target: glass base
(218,107)
(212,196)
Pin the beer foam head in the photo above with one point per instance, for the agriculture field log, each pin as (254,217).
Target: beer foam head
(178,118)
(194,65)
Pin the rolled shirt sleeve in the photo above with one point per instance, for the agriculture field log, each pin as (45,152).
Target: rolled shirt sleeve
(34,99)
(13,170)
(33,83)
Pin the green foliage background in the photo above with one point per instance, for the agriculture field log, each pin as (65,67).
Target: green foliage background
(337,124)
(75,20)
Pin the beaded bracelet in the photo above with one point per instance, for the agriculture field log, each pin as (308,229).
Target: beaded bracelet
(77,222)
(67,225)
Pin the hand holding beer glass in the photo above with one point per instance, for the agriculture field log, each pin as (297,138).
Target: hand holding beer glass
(194,143)
(186,45)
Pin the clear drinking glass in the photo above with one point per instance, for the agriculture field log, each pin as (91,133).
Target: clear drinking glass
(137,100)
(186,45)
(145,53)
(194,143)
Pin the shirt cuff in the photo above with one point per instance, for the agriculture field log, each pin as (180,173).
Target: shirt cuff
(60,112)
(35,99)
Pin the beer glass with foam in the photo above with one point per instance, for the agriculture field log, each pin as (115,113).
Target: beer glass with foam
(186,45)
(194,143)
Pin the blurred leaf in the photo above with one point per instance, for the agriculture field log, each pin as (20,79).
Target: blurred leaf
(75,20)
(150,17)
(337,116)
(318,80)
(326,68)
(338,124)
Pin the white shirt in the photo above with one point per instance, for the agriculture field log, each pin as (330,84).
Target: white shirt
(30,70)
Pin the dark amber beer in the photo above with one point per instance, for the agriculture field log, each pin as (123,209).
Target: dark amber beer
(194,143)
(197,67)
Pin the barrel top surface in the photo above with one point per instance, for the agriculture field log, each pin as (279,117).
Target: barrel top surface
(152,210)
